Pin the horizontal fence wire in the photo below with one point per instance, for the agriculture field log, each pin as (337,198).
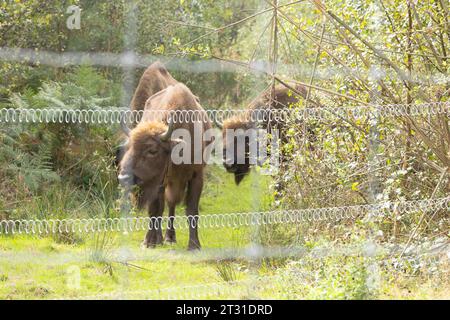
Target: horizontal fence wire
(264,286)
(130,59)
(221,220)
(123,115)
(232,289)
(248,253)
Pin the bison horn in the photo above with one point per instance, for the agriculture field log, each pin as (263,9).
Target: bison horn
(166,135)
(218,123)
(124,127)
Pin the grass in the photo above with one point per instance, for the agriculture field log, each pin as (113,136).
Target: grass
(105,264)
(226,270)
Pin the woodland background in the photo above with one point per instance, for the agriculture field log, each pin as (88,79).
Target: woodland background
(348,53)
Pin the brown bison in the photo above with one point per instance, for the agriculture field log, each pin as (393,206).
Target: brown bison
(148,163)
(281,97)
(154,79)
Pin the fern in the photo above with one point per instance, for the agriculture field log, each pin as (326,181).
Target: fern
(50,163)
(34,169)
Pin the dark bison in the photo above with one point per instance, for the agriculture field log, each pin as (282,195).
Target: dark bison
(148,164)
(255,117)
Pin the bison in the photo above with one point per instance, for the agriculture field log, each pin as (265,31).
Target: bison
(148,164)
(154,79)
(281,97)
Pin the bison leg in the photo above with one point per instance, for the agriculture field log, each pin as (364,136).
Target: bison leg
(170,232)
(194,191)
(154,234)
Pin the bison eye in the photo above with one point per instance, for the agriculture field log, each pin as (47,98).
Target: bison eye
(151,152)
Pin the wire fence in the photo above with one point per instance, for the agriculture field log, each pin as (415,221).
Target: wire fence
(130,58)
(221,220)
(109,116)
(101,116)
(284,285)
(440,247)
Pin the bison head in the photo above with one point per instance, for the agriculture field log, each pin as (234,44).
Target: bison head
(238,137)
(146,159)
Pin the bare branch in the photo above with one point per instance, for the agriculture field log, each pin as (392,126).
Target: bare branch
(380,54)
(239,22)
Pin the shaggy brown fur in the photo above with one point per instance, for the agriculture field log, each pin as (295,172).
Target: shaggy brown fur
(237,122)
(154,79)
(281,98)
(141,133)
(148,161)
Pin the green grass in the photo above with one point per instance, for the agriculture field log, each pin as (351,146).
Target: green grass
(34,267)
(114,264)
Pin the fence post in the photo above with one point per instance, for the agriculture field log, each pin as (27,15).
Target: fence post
(128,69)
(375,185)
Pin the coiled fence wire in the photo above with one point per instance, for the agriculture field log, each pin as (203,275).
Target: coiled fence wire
(222,220)
(104,116)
